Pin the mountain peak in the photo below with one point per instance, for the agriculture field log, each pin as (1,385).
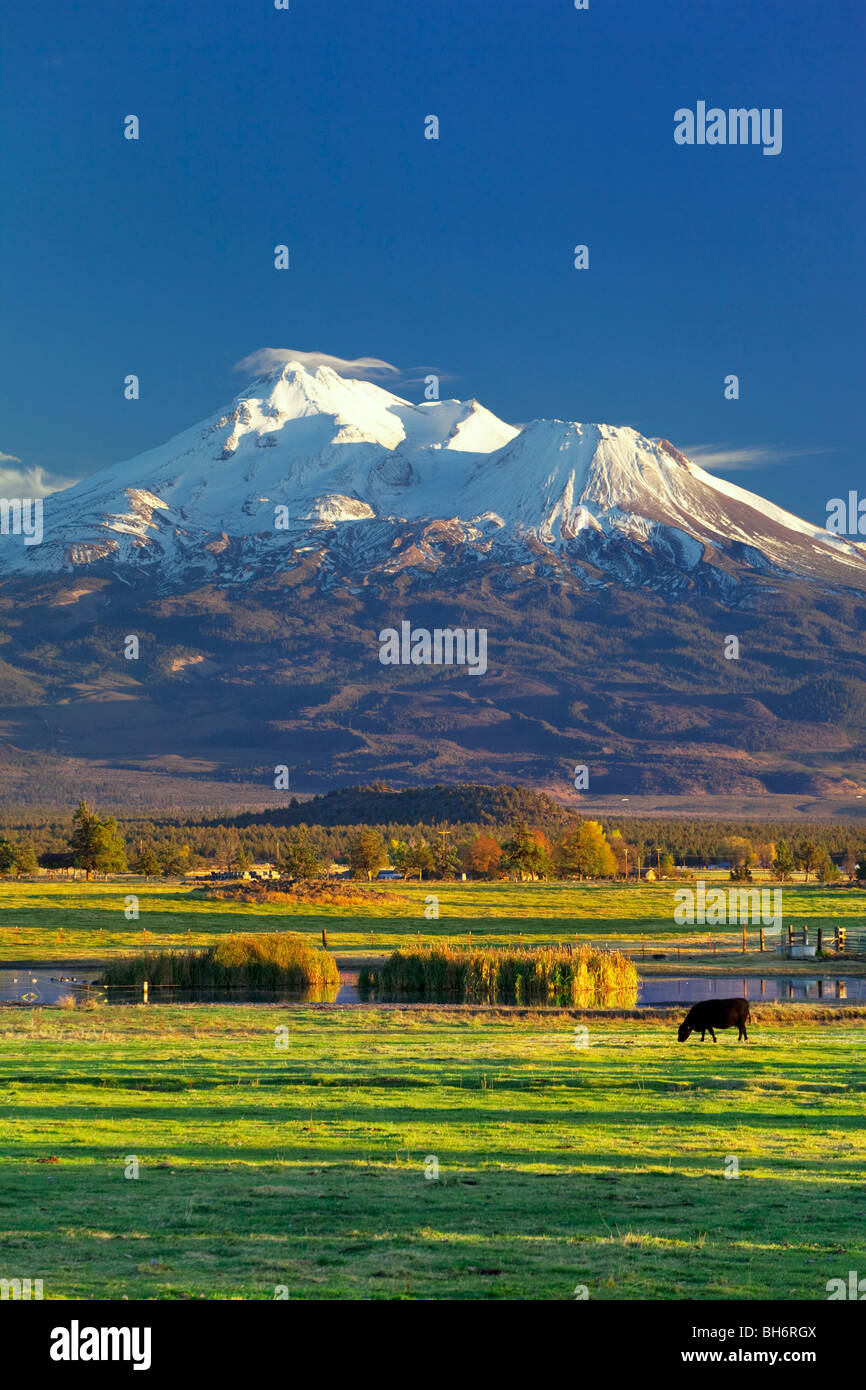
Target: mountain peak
(352,464)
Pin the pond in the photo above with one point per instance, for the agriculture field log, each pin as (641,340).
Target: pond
(38,984)
(688,989)
(35,985)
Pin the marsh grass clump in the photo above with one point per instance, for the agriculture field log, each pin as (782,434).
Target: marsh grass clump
(86,1004)
(585,976)
(266,960)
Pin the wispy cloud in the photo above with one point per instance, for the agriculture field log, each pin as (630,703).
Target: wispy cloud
(424,373)
(727,459)
(269,359)
(28,482)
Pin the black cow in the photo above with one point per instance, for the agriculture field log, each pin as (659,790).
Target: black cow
(716,1013)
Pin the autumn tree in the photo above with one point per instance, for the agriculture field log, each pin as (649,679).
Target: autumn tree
(585,852)
(174,859)
(620,852)
(481,856)
(527,853)
(765,853)
(739,850)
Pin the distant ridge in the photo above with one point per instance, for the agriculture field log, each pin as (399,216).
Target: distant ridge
(463,803)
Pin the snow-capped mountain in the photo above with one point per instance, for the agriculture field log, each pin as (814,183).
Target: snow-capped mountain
(259,555)
(305,463)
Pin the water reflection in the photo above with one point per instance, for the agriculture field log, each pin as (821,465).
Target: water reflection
(687,989)
(39,985)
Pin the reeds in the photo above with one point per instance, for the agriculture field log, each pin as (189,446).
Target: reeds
(585,976)
(266,960)
(70,1001)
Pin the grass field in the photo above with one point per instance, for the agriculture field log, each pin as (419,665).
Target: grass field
(71,921)
(559,1166)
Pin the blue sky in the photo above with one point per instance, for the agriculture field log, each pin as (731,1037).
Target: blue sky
(454,256)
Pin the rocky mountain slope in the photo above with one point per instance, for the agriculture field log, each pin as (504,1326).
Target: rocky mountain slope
(309,464)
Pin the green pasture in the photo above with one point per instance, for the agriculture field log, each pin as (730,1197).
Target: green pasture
(68,921)
(559,1166)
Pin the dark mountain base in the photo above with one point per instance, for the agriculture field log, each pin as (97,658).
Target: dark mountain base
(230,684)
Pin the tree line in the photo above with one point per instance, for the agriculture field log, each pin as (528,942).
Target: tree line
(577,849)
(419,813)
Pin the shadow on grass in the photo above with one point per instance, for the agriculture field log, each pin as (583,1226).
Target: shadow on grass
(383,1232)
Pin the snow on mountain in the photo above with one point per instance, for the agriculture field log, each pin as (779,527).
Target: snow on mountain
(354,465)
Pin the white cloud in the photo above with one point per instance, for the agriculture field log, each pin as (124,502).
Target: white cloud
(29,482)
(269,359)
(713,456)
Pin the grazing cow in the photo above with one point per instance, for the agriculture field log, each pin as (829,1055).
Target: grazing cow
(716,1013)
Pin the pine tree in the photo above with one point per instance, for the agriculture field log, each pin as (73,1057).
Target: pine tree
(298,857)
(367,853)
(97,845)
(783,864)
(146,862)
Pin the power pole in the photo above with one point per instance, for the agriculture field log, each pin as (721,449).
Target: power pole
(443,832)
